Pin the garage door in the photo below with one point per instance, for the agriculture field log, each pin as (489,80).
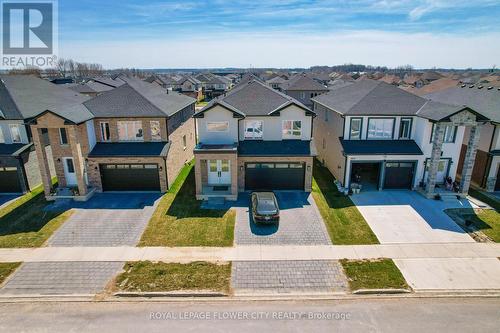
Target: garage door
(274,176)
(130,177)
(398,175)
(9,180)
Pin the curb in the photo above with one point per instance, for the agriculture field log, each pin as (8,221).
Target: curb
(381,291)
(176,294)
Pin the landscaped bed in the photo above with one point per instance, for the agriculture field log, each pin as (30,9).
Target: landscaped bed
(373,274)
(179,220)
(478,223)
(25,223)
(146,276)
(344,222)
(7,269)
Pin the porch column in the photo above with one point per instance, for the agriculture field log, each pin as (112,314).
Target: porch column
(78,161)
(437,145)
(43,161)
(197,175)
(470,158)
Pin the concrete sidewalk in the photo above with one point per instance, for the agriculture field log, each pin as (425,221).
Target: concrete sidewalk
(252,253)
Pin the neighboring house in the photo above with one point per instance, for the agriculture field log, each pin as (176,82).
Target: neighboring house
(276,82)
(486,172)
(82,88)
(135,137)
(253,138)
(434,86)
(376,134)
(303,88)
(213,86)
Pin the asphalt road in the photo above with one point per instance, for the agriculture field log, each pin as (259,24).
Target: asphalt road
(389,315)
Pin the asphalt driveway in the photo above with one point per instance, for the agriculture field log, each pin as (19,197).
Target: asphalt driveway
(408,217)
(300,222)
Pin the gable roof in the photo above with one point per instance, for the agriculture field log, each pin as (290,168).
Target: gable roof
(302,82)
(369,97)
(254,99)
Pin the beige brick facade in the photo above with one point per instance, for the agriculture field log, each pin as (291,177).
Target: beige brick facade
(180,154)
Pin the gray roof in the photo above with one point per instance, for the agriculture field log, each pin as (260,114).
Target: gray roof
(254,99)
(81,88)
(377,98)
(125,149)
(116,82)
(302,82)
(33,96)
(98,87)
(13,149)
(484,101)
(137,98)
(376,147)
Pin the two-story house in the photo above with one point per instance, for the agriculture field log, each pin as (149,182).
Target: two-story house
(212,85)
(486,100)
(253,138)
(377,135)
(303,88)
(135,137)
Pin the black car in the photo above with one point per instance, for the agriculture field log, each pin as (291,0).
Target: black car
(265,207)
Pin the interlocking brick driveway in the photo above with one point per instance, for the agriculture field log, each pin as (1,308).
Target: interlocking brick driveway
(314,276)
(300,222)
(52,278)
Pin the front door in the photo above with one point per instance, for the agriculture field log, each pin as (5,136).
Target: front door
(442,171)
(219,172)
(69,171)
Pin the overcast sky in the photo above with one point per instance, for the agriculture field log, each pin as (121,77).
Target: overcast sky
(287,33)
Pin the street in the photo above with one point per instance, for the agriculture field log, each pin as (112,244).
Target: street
(383,315)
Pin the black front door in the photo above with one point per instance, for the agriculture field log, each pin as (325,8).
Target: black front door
(274,176)
(9,180)
(130,177)
(399,175)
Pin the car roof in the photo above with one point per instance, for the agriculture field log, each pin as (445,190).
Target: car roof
(264,195)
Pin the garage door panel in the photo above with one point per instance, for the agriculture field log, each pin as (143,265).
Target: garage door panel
(274,176)
(9,180)
(398,175)
(130,177)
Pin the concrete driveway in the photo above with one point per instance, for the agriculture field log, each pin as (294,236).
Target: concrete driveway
(300,222)
(408,217)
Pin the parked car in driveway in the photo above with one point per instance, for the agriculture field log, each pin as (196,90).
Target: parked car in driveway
(265,207)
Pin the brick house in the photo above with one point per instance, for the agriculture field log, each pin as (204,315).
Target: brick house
(376,135)
(136,137)
(253,138)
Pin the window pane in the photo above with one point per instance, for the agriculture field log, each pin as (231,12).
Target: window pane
(253,129)
(251,166)
(380,128)
(138,134)
(136,166)
(405,165)
(212,164)
(355,129)
(281,166)
(218,126)
(70,166)
(297,125)
(267,165)
(391,165)
(295,166)
(150,166)
(122,130)
(16,135)
(155,130)
(64,137)
(225,166)
(405,130)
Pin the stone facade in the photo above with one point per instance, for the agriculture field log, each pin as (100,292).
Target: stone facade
(437,145)
(180,154)
(470,158)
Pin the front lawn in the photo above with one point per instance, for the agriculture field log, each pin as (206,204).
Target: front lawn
(7,269)
(486,221)
(25,223)
(179,220)
(345,224)
(146,276)
(373,274)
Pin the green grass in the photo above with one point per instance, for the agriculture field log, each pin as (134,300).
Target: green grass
(179,220)
(344,222)
(7,269)
(373,274)
(24,223)
(485,198)
(145,276)
(485,220)
(201,103)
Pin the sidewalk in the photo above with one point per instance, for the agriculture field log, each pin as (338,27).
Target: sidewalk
(252,253)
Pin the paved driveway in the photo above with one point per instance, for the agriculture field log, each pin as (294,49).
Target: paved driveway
(300,222)
(105,220)
(408,217)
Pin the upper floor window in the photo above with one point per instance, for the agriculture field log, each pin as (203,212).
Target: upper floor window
(380,128)
(356,126)
(302,95)
(15,132)
(155,130)
(130,131)
(253,129)
(326,114)
(292,129)
(405,128)
(450,133)
(218,126)
(63,136)
(105,134)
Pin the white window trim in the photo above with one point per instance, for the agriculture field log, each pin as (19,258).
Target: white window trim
(253,137)
(11,126)
(217,122)
(102,131)
(380,137)
(135,138)
(291,136)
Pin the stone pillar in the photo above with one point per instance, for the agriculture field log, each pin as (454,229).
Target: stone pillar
(78,160)
(470,158)
(197,175)
(43,161)
(437,145)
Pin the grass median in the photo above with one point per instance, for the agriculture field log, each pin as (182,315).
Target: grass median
(373,274)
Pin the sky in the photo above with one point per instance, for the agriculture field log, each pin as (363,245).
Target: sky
(281,33)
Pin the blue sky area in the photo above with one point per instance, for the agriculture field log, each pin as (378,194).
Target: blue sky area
(288,33)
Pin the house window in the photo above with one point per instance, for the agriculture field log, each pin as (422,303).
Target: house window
(219,126)
(292,129)
(356,126)
(326,114)
(380,128)
(155,130)
(184,142)
(130,131)
(450,132)
(253,129)
(15,132)
(405,128)
(63,136)
(303,95)
(105,134)
(2,139)
(70,166)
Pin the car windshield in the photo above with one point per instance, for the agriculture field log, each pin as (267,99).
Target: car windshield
(266,205)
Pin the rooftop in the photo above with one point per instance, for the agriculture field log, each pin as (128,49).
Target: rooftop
(130,149)
(380,147)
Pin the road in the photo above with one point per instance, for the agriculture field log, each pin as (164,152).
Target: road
(383,315)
